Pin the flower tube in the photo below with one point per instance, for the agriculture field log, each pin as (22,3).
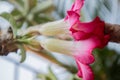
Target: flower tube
(80,50)
(54,28)
(83,48)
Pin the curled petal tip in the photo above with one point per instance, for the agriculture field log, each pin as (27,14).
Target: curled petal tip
(84,71)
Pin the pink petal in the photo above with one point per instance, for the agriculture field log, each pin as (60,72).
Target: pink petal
(77,5)
(104,41)
(81,31)
(90,26)
(84,50)
(80,35)
(86,58)
(79,73)
(72,17)
(84,71)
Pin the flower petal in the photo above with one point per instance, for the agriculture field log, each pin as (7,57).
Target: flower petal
(80,35)
(72,17)
(90,26)
(84,71)
(84,48)
(85,57)
(77,5)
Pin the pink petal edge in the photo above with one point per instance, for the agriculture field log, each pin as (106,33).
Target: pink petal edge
(84,71)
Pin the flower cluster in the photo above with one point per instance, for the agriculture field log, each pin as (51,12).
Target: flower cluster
(87,36)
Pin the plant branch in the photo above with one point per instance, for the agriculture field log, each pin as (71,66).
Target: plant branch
(114,31)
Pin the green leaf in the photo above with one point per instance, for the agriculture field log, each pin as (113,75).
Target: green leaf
(22,53)
(26,7)
(51,74)
(18,2)
(32,3)
(42,6)
(11,20)
(19,5)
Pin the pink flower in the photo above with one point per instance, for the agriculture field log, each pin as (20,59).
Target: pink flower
(87,36)
(91,32)
(81,50)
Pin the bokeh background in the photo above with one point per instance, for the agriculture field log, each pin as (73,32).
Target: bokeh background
(32,12)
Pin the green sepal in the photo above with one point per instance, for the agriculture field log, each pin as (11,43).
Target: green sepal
(22,53)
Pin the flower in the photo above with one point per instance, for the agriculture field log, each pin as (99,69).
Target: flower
(93,30)
(81,50)
(87,36)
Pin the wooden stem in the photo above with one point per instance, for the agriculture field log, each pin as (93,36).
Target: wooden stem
(114,31)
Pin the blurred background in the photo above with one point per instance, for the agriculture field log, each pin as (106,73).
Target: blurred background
(36,67)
